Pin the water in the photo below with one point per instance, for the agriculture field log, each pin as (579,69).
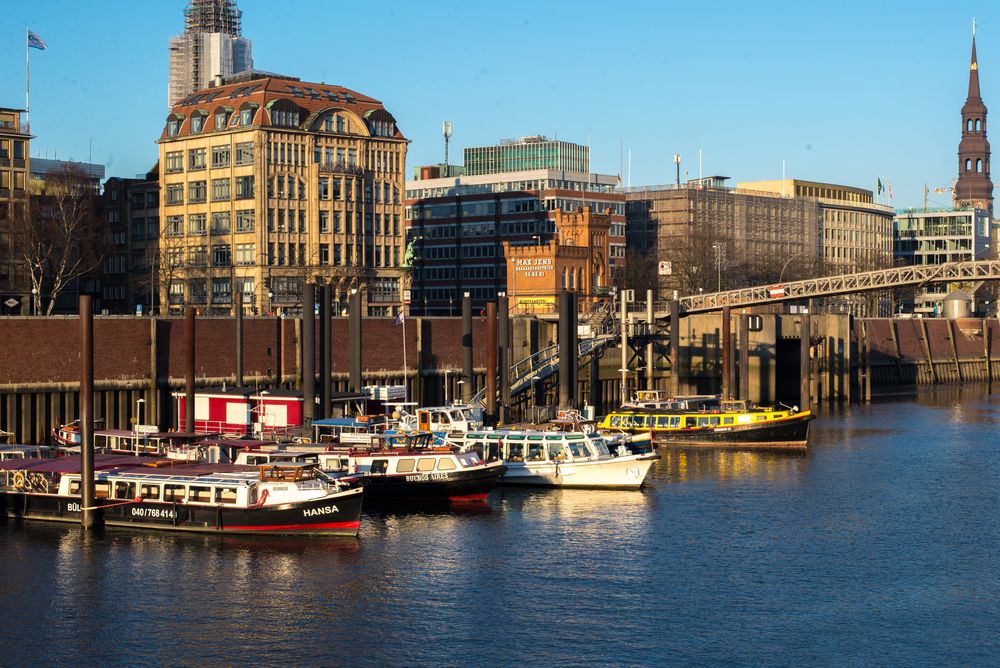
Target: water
(879,547)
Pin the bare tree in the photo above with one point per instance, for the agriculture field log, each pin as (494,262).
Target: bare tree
(58,236)
(640,272)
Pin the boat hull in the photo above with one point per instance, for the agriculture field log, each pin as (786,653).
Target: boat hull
(336,514)
(460,486)
(617,473)
(792,433)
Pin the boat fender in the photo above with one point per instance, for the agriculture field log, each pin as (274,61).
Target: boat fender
(263,498)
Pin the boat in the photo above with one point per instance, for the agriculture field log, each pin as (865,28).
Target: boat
(396,466)
(560,459)
(163,494)
(714,422)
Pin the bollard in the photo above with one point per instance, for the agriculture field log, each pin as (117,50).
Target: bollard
(88,516)
(325,350)
(503,356)
(354,342)
(238,307)
(727,354)
(467,386)
(308,353)
(189,369)
(491,364)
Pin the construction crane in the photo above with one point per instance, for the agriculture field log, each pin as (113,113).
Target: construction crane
(927,190)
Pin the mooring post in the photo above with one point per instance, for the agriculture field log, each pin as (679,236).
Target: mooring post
(491,364)
(744,357)
(650,381)
(805,341)
(567,356)
(325,349)
(727,355)
(354,341)
(574,347)
(189,320)
(675,347)
(594,398)
(238,308)
(308,381)
(624,345)
(88,516)
(503,356)
(468,385)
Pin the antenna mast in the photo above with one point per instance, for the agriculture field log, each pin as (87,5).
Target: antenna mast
(446,133)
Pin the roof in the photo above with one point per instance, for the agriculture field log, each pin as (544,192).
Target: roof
(260,93)
(73,463)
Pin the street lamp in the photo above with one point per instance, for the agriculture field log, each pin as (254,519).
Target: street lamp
(138,402)
(781,274)
(34,297)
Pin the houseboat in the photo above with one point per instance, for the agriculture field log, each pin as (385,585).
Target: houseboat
(559,459)
(165,495)
(719,423)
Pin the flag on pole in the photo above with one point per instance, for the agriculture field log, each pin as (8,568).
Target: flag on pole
(400,318)
(879,181)
(889,185)
(36,42)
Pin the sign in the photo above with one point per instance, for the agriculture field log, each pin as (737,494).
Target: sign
(755,323)
(536,301)
(776,291)
(665,268)
(406,296)
(138,309)
(11,303)
(533,267)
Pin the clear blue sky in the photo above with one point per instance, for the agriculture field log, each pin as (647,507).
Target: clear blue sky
(841,92)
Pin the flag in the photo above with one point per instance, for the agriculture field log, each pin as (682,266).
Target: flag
(879,179)
(400,318)
(36,42)
(889,185)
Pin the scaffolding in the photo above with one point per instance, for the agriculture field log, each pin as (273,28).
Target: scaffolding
(213,16)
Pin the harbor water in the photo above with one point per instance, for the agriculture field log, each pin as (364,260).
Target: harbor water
(878,547)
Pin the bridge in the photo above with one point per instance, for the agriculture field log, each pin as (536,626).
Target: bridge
(828,286)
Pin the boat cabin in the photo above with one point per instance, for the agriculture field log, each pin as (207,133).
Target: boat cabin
(357,430)
(536,446)
(241,411)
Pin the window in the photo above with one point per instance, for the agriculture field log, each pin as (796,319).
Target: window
(124,490)
(244,187)
(196,224)
(225,495)
(197,123)
(246,116)
(446,464)
(405,465)
(196,290)
(197,191)
(324,254)
(425,464)
(341,124)
(324,221)
(221,120)
(175,226)
(245,254)
(221,255)
(285,118)
(244,153)
(324,187)
(175,162)
(244,220)
(173,127)
(149,492)
(220,156)
(221,291)
(173,493)
(200,494)
(196,158)
(220,222)
(220,189)
(175,193)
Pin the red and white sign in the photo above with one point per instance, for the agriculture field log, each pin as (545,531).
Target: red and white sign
(776,291)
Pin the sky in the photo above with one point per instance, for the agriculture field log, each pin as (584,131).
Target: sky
(841,93)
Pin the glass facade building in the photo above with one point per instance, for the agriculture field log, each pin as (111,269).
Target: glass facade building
(527,153)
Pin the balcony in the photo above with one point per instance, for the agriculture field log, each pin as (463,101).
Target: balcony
(339,167)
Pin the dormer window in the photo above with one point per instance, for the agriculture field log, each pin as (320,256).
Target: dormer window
(172,128)
(246,116)
(221,120)
(197,122)
(285,118)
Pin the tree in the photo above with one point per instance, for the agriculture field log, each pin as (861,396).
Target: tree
(58,235)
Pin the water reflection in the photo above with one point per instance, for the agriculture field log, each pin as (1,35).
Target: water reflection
(678,465)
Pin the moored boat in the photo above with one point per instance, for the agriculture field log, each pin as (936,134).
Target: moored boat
(722,423)
(560,459)
(145,493)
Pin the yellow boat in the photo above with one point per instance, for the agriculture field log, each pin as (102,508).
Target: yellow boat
(712,421)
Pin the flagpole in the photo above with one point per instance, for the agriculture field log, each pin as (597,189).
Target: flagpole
(27,114)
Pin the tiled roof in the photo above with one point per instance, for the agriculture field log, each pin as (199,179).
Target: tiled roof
(261,92)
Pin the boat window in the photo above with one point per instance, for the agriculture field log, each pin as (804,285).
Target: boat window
(675,421)
(151,492)
(446,464)
(554,437)
(515,452)
(74,487)
(703,422)
(102,490)
(578,449)
(173,493)
(457,416)
(662,421)
(492,452)
(535,437)
(639,421)
(515,437)
(380,466)
(601,448)
(573,437)
(124,490)
(255,460)
(535,452)
(714,421)
(405,465)
(225,495)
(425,464)
(252,499)
(494,436)
(727,420)
(616,420)
(557,451)
(761,418)
(200,494)
(690,421)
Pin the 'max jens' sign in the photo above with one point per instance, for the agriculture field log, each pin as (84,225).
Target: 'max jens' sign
(533,267)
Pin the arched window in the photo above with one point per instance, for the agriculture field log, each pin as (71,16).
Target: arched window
(968,125)
(565,277)
(978,123)
(979,165)
(968,164)
(579,278)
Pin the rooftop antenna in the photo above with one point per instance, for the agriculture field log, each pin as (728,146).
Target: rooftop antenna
(446,133)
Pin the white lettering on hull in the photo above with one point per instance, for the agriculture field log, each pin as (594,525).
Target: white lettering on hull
(325,510)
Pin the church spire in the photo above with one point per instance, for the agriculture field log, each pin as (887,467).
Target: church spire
(974,187)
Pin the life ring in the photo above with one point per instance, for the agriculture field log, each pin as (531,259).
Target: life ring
(263,499)
(19,481)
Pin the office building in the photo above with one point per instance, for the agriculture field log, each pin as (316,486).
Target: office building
(267,182)
(525,154)
(15,288)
